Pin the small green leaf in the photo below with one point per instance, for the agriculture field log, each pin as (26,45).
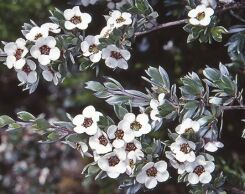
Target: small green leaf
(25,116)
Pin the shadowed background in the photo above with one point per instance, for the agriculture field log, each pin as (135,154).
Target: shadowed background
(23,162)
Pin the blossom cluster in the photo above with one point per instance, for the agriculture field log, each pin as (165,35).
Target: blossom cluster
(43,52)
(118,148)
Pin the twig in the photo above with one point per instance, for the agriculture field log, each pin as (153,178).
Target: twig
(233,107)
(231,6)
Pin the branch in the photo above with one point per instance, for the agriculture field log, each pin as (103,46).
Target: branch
(233,107)
(220,9)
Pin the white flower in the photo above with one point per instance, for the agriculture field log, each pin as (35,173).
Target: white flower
(106,31)
(200,170)
(112,4)
(36,33)
(52,27)
(213,146)
(45,50)
(133,149)
(226,1)
(85,3)
(154,104)
(210,141)
(50,75)
(87,121)
(131,161)
(100,143)
(75,19)
(16,51)
(152,173)
(180,166)
(27,73)
(201,15)
(90,48)
(118,19)
(120,134)
(187,126)
(113,163)
(138,124)
(209,3)
(183,150)
(115,57)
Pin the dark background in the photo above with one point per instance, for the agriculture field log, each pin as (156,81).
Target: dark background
(71,97)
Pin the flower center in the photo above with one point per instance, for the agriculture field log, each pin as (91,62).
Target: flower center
(39,35)
(93,48)
(136,126)
(45,50)
(103,140)
(189,130)
(120,20)
(113,161)
(185,148)
(151,172)
(119,134)
(76,20)
(26,69)
(200,16)
(130,147)
(199,170)
(18,54)
(87,122)
(116,55)
(131,163)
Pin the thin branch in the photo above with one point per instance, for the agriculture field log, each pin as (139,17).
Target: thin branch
(233,107)
(161,26)
(232,6)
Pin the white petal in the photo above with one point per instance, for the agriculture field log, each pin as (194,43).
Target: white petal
(95,57)
(163,176)
(161,166)
(54,54)
(111,131)
(35,52)
(89,111)
(205,177)
(69,25)
(22,76)
(44,59)
(206,21)
(141,177)
(193,178)
(79,129)
(78,120)
(92,130)
(32,77)
(130,117)
(194,21)
(113,175)
(20,63)
(142,119)
(68,14)
(47,75)
(151,183)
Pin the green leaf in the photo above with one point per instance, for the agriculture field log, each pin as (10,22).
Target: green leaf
(5,120)
(25,116)
(120,111)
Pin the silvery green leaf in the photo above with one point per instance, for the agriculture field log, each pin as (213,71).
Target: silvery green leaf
(215,100)
(120,111)
(114,100)
(25,116)
(134,188)
(94,86)
(5,120)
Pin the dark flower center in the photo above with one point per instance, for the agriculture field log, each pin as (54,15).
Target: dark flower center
(18,54)
(26,69)
(119,134)
(45,50)
(113,161)
(200,16)
(151,172)
(116,55)
(185,148)
(136,126)
(199,170)
(39,35)
(189,130)
(93,48)
(76,20)
(87,122)
(120,20)
(103,140)
(130,147)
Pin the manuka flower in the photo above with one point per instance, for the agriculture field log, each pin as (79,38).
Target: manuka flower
(27,74)
(154,104)
(115,57)
(45,50)
(188,126)
(87,121)
(90,48)
(201,15)
(16,52)
(118,19)
(200,170)
(75,19)
(152,173)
